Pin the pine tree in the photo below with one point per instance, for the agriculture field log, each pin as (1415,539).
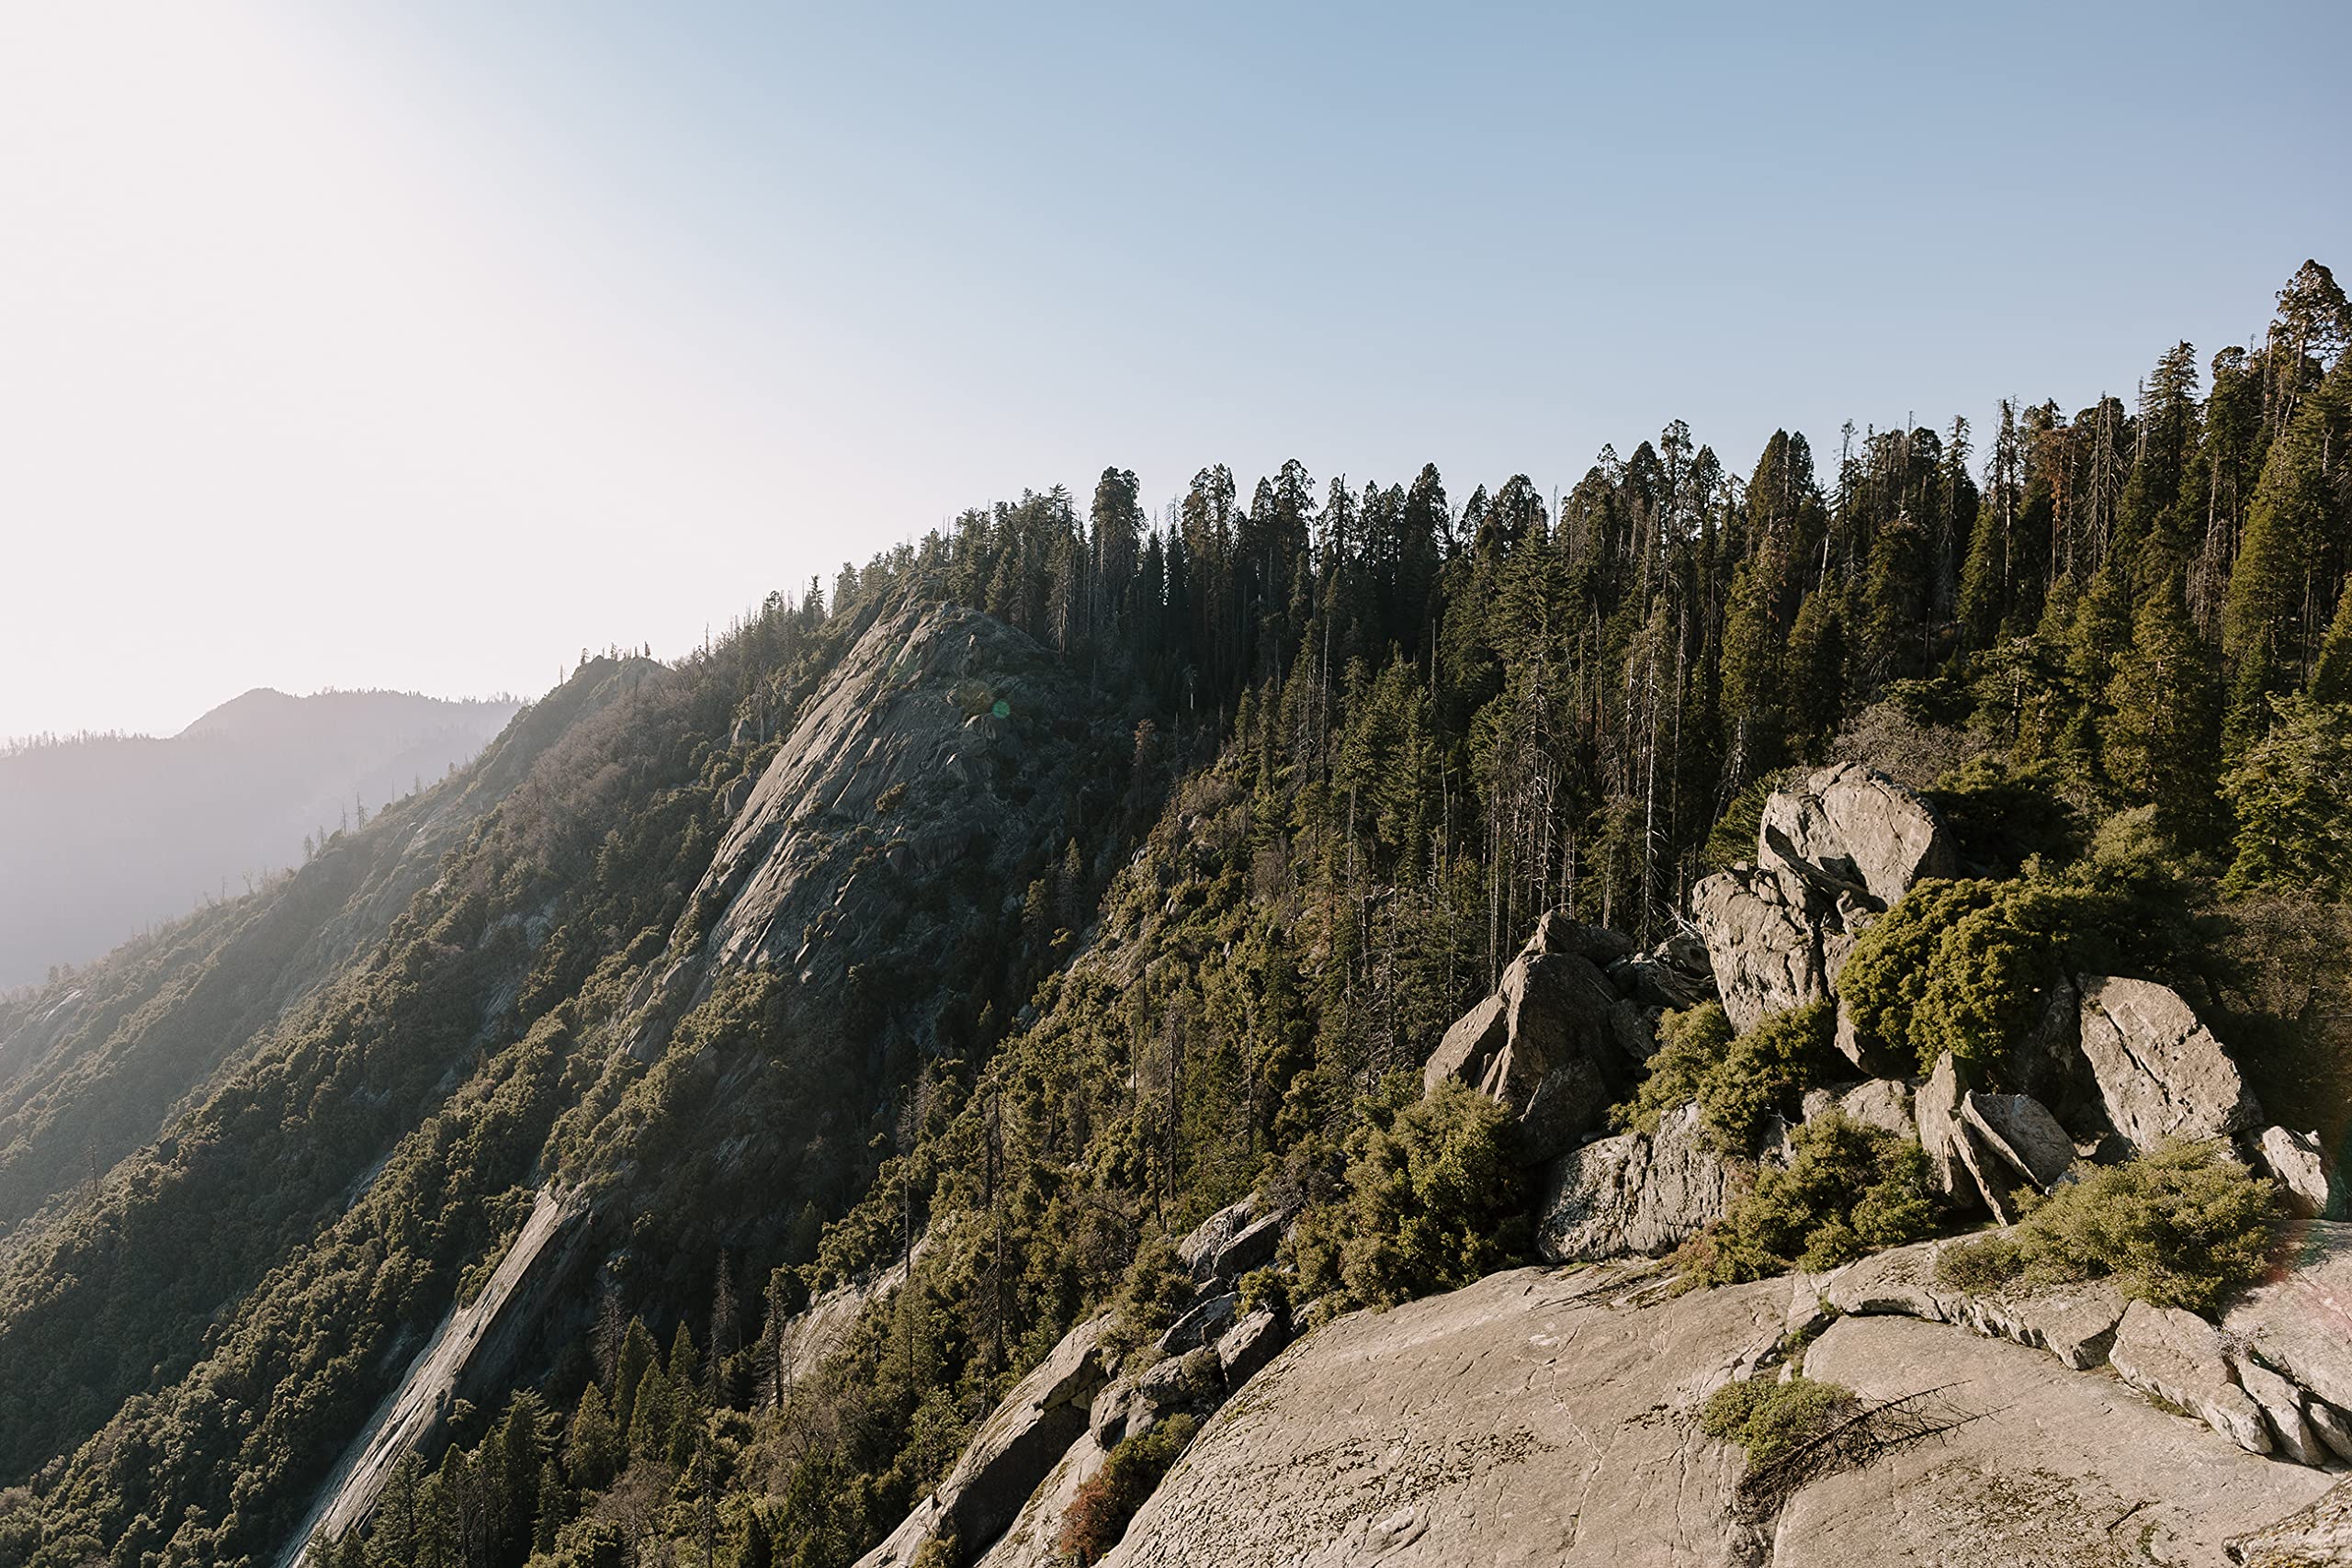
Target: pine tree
(2160,740)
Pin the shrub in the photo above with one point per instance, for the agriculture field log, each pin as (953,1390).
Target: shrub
(1768,1417)
(1692,1042)
(1957,966)
(1268,1288)
(1097,1516)
(1152,1291)
(2183,1226)
(1766,1070)
(1737,1082)
(1847,1189)
(2005,817)
(1431,1186)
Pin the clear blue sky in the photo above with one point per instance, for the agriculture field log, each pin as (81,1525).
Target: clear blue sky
(482,332)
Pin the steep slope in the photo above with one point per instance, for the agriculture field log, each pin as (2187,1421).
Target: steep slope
(335,1027)
(91,1067)
(103,835)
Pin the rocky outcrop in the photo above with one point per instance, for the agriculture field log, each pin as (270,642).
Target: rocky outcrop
(2075,1323)
(1938,1108)
(2302,1166)
(1538,1417)
(2176,1357)
(1884,1103)
(2301,1323)
(2062,1469)
(945,749)
(1016,1448)
(1554,1042)
(1675,973)
(2161,1074)
(1638,1194)
(1831,853)
(1854,830)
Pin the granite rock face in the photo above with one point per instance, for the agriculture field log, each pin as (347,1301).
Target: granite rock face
(1637,1194)
(1855,830)
(2062,1469)
(2301,1323)
(1554,1042)
(1544,1417)
(1832,853)
(2160,1073)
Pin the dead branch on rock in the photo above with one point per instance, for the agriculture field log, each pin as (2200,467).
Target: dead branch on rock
(1873,1432)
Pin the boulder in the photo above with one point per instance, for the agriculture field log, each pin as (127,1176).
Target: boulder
(1202,1325)
(1937,1107)
(2160,1073)
(2176,1357)
(1763,935)
(1254,1340)
(1554,1042)
(1635,1194)
(1855,830)
(2301,1323)
(2302,1166)
(2283,1408)
(2022,1133)
(1015,1449)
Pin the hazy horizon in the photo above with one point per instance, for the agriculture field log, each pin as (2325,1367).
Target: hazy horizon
(420,348)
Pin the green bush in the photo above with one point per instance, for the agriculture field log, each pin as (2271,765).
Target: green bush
(1692,1042)
(1847,1189)
(1767,1070)
(1430,1189)
(1268,1288)
(1768,1417)
(1097,1516)
(1957,966)
(2005,817)
(2183,1226)
(1738,1083)
(1152,1291)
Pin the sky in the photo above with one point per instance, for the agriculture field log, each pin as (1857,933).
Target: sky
(424,346)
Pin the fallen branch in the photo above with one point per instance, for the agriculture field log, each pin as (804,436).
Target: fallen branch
(1873,1432)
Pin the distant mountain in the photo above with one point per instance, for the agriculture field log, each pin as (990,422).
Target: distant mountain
(102,836)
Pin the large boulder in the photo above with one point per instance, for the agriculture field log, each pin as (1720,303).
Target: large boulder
(1884,1103)
(1554,1042)
(1832,852)
(2161,1074)
(1637,1194)
(1937,1107)
(2074,1322)
(2316,1537)
(1763,934)
(1855,830)
(1016,1448)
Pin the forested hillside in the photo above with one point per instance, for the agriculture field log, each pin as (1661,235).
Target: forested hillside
(1005,908)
